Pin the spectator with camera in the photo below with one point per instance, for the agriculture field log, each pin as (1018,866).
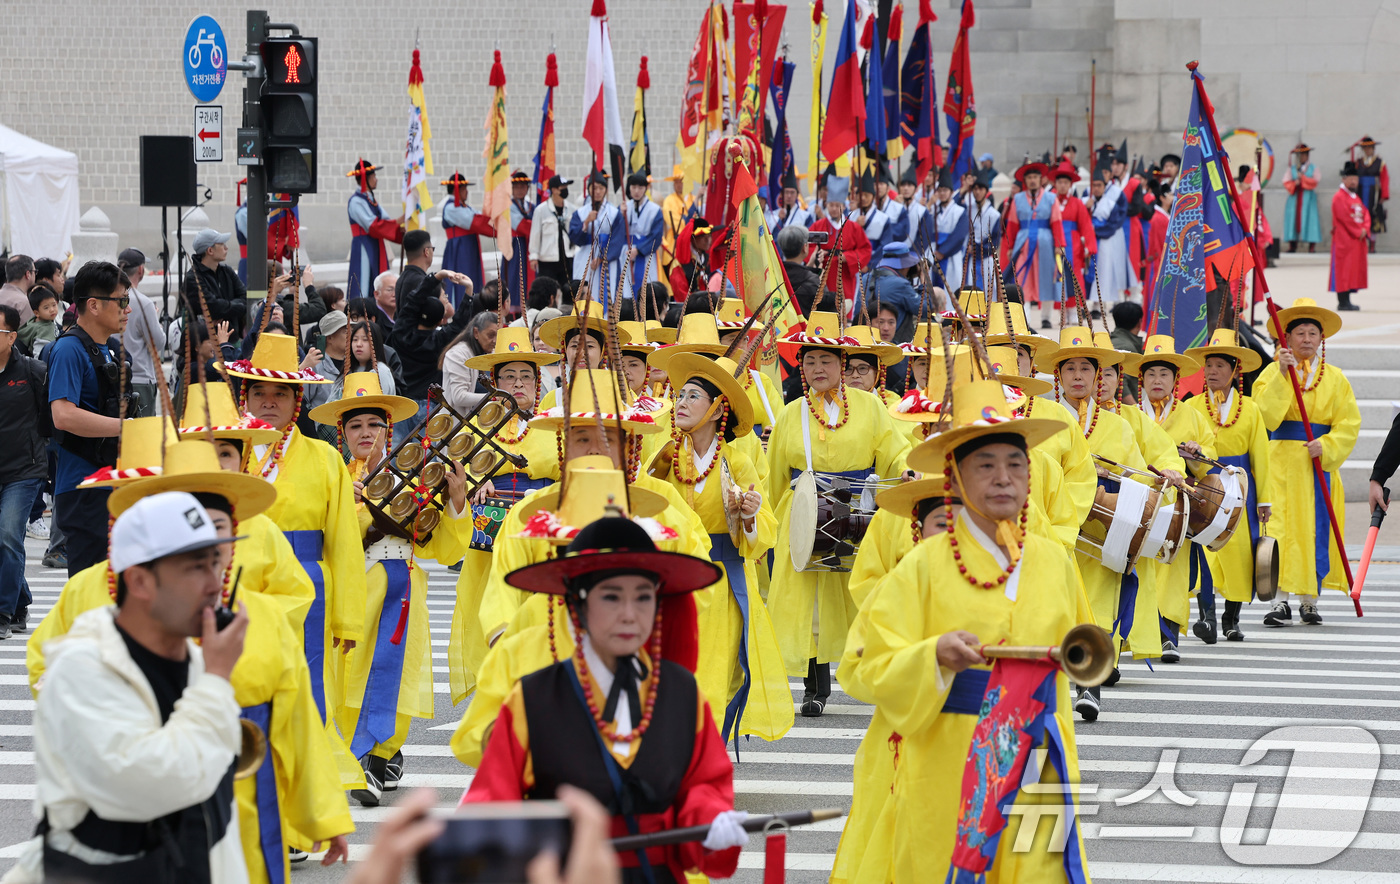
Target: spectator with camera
(86,389)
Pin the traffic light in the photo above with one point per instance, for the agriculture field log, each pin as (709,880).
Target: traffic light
(289,113)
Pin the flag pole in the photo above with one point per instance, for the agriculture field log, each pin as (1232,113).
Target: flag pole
(1093,99)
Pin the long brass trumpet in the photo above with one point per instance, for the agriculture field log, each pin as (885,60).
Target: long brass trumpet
(1086,654)
(251,752)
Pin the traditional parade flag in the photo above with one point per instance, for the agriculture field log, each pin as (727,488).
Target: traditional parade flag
(874,90)
(544,151)
(783,160)
(760,269)
(1205,238)
(750,121)
(918,107)
(845,116)
(697,118)
(418,152)
(639,156)
(602,122)
(958,102)
(814,141)
(894,32)
(496,204)
(750,38)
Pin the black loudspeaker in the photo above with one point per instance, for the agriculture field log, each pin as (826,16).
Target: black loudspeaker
(167,170)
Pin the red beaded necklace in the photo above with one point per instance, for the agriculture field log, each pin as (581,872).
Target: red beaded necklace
(279,449)
(1321,369)
(819,411)
(1094,407)
(502,438)
(1239,404)
(609,728)
(948,468)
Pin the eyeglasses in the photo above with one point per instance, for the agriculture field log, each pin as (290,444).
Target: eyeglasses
(692,396)
(123,302)
(6,331)
(860,370)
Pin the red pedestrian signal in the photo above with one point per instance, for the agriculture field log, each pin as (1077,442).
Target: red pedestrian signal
(292,61)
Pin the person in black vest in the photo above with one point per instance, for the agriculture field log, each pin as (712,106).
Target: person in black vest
(136,728)
(86,387)
(600,720)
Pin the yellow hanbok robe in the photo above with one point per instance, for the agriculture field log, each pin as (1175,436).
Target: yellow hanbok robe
(737,641)
(299,777)
(1114,438)
(765,398)
(315,508)
(1308,555)
(812,610)
(268,566)
(1173,582)
(467,645)
(1245,443)
(414,697)
(511,659)
(924,597)
(1071,452)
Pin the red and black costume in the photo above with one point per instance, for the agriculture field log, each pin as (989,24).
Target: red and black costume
(370,229)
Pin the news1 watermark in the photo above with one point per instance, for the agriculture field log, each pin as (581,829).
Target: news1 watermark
(1313,816)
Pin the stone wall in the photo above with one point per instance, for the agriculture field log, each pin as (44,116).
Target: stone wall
(92,77)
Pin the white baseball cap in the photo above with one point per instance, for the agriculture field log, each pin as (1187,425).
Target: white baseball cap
(165,524)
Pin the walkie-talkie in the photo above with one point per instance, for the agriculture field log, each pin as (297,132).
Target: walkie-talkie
(223,614)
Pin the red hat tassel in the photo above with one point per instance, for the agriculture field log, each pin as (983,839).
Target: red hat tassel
(498,73)
(551,71)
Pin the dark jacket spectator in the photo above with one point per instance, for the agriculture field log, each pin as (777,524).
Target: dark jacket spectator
(223,291)
(805,281)
(23,401)
(420,340)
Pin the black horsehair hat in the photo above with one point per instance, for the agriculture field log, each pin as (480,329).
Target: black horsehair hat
(616,545)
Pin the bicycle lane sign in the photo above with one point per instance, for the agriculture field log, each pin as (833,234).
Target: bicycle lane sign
(205,58)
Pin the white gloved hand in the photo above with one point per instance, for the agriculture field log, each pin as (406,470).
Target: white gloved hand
(727,830)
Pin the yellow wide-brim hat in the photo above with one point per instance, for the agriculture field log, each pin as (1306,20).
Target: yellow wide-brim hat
(1307,308)
(871,345)
(698,333)
(274,359)
(592,483)
(979,409)
(606,410)
(902,498)
(660,334)
(731,314)
(362,390)
(997,332)
(140,454)
(193,466)
(927,336)
(637,342)
(720,372)
(220,411)
(823,329)
(1224,342)
(1005,363)
(1076,342)
(1161,348)
(589,314)
(512,345)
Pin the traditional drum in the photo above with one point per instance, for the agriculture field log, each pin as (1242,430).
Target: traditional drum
(830,514)
(1119,522)
(1218,501)
(1168,533)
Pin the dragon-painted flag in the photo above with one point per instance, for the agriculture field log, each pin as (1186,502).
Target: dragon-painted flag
(783,159)
(959,104)
(418,151)
(496,183)
(702,102)
(1205,238)
(1015,709)
(544,151)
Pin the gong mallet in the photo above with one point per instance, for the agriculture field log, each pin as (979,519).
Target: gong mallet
(1086,654)
(1377,516)
(698,833)
(1316,461)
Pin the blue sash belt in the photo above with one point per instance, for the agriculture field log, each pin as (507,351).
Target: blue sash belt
(380,706)
(723,550)
(1251,501)
(306,546)
(265,790)
(968,689)
(1292,431)
(857,477)
(517,485)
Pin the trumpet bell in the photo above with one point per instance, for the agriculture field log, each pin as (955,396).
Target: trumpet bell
(251,752)
(1086,655)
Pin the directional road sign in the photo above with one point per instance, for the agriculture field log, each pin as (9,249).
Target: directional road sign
(208,133)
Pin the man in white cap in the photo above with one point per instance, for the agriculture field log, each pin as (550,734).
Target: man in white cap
(216,281)
(128,786)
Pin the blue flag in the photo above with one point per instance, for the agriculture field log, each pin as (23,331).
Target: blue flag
(783,160)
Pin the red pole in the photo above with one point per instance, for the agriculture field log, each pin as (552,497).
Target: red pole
(1316,462)
(1093,100)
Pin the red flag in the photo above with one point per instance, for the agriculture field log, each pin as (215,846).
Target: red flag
(602,122)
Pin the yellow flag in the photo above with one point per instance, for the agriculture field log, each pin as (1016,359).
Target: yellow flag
(814,140)
(496,184)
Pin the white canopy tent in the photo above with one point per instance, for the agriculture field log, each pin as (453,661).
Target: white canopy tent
(38,196)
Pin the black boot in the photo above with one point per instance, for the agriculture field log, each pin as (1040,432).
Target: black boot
(1171,634)
(1205,628)
(1230,622)
(809,691)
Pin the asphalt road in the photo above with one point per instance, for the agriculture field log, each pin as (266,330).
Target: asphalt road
(1196,721)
